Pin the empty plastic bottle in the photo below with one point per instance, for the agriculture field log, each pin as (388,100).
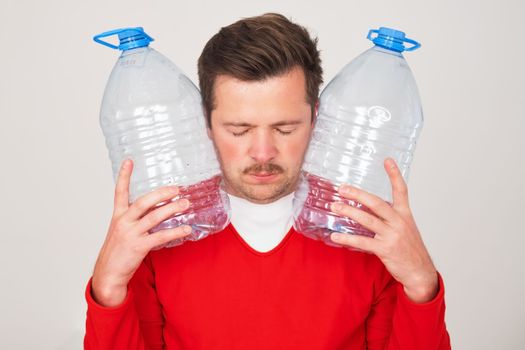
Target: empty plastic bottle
(370,111)
(152,113)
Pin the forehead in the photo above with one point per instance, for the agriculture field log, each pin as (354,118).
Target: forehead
(267,101)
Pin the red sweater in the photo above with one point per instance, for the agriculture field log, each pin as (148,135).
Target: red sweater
(219,293)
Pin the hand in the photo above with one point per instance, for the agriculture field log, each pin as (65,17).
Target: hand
(397,240)
(128,241)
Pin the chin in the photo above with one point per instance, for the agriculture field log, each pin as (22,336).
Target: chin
(264,197)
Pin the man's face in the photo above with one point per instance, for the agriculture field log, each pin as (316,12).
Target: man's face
(261,131)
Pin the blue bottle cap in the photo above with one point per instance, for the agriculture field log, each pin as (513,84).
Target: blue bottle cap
(130,38)
(392,39)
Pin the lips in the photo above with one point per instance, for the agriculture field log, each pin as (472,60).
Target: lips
(263,177)
(262,174)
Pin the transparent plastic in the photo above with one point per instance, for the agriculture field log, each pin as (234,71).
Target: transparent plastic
(370,111)
(152,113)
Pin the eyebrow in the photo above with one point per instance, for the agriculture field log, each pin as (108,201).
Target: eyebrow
(281,123)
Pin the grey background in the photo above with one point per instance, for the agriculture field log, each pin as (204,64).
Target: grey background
(56,188)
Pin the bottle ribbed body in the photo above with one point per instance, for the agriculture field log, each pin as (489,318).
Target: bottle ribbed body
(152,113)
(370,111)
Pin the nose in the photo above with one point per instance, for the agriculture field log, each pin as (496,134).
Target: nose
(263,148)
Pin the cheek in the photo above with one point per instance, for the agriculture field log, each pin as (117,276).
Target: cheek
(230,151)
(293,150)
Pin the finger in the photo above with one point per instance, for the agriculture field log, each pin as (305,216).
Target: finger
(160,214)
(399,186)
(146,202)
(377,205)
(121,201)
(363,218)
(356,241)
(162,237)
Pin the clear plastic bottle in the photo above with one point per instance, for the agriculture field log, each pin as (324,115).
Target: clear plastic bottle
(152,113)
(370,111)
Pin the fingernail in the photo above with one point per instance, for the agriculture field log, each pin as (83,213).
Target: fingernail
(186,229)
(336,236)
(345,189)
(184,202)
(337,206)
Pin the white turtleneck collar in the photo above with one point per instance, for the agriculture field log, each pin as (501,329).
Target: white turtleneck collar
(262,226)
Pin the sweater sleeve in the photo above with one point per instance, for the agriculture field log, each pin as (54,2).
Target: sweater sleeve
(131,325)
(395,322)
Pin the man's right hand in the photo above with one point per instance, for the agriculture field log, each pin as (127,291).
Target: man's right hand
(128,241)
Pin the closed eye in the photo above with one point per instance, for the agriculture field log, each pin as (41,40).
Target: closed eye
(284,131)
(240,133)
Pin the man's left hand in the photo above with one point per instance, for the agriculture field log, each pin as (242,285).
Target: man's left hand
(397,241)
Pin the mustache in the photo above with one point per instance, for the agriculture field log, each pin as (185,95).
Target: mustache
(266,168)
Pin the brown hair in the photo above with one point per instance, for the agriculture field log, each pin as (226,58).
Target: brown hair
(257,48)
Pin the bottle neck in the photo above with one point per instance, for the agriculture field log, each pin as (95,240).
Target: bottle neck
(135,50)
(387,51)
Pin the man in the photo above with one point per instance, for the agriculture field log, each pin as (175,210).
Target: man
(259,284)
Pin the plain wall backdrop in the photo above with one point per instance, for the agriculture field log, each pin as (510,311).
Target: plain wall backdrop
(56,187)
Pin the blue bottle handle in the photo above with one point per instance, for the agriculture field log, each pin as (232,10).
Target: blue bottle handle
(98,37)
(370,32)
(415,44)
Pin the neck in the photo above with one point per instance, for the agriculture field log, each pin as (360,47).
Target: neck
(262,226)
